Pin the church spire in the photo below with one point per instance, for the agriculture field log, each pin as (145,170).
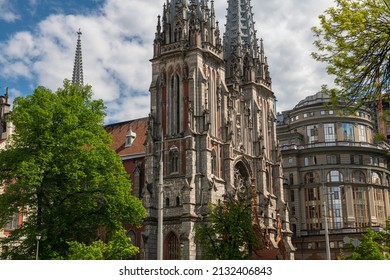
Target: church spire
(241,44)
(77,77)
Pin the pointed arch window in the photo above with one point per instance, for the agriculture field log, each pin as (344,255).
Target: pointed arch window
(177,201)
(167,202)
(214,166)
(132,237)
(174,161)
(175,104)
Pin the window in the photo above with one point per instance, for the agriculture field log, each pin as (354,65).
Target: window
(167,202)
(308,114)
(177,201)
(313,194)
(291,178)
(329,132)
(293,211)
(132,237)
(358,176)
(130,137)
(357,159)
(333,159)
(174,160)
(312,160)
(376,178)
(214,167)
(361,209)
(174,105)
(335,176)
(374,161)
(292,196)
(327,112)
(312,134)
(362,133)
(13,222)
(294,118)
(311,177)
(348,132)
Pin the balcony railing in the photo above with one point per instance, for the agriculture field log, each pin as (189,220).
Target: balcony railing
(384,147)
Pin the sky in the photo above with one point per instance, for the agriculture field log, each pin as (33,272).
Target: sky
(38,42)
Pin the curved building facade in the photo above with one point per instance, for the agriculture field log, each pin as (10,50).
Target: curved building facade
(335,175)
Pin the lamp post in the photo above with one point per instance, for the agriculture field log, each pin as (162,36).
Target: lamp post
(160,207)
(38,237)
(326,231)
(325,199)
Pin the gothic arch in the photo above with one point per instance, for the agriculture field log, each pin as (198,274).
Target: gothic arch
(174,102)
(214,163)
(171,247)
(242,175)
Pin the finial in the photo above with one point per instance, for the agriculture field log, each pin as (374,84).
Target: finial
(6,95)
(159,24)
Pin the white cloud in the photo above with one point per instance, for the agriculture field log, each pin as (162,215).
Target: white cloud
(6,12)
(117,45)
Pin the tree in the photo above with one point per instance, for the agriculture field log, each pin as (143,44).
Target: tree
(375,245)
(60,172)
(354,40)
(118,248)
(228,233)
(369,248)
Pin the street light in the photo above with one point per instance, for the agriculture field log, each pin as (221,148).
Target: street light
(325,192)
(326,231)
(38,237)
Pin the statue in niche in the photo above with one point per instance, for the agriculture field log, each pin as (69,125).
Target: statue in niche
(219,96)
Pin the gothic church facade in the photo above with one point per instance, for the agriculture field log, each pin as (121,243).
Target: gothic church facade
(212,121)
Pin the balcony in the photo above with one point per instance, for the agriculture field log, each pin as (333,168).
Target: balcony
(381,146)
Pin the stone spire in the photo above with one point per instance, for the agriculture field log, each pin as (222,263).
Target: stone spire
(77,76)
(245,58)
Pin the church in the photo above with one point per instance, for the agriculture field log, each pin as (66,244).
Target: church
(211,131)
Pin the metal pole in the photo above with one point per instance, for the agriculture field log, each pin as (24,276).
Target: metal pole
(160,205)
(326,234)
(37,252)
(326,223)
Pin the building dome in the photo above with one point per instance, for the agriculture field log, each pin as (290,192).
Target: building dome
(318,98)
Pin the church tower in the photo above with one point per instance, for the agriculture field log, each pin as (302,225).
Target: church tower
(212,121)
(250,122)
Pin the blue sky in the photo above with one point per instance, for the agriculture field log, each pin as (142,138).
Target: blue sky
(38,40)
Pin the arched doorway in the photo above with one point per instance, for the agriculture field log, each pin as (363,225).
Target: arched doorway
(171,247)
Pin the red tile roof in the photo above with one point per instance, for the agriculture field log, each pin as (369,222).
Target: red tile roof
(119,131)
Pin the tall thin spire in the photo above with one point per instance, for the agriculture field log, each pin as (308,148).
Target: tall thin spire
(241,44)
(77,77)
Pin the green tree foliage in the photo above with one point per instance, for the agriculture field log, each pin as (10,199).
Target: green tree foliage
(118,248)
(369,248)
(374,245)
(228,234)
(354,40)
(60,171)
